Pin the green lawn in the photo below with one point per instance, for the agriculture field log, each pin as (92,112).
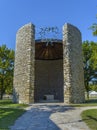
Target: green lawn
(91,102)
(10,104)
(90,117)
(9,112)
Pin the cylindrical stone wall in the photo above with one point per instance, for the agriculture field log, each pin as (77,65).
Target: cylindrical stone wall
(24,65)
(73,65)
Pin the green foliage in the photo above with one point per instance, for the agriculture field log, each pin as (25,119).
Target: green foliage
(93,87)
(90,117)
(94,29)
(90,62)
(6,70)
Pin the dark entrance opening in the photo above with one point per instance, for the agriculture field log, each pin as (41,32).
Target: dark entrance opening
(49,71)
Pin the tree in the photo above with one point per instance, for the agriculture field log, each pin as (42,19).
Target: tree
(93,87)
(6,70)
(90,63)
(94,29)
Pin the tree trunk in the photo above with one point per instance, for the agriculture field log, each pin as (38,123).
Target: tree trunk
(2,89)
(88,95)
(1,96)
(87,90)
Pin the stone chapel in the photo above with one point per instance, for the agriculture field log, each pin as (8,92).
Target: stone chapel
(50,71)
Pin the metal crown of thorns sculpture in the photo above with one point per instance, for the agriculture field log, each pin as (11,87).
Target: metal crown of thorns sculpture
(49,34)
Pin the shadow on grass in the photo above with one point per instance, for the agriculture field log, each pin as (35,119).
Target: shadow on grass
(90,118)
(8,116)
(5,102)
(91,101)
(10,104)
(93,118)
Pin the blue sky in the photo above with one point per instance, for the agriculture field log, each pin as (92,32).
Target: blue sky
(16,13)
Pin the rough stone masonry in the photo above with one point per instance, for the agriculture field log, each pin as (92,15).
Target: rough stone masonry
(42,69)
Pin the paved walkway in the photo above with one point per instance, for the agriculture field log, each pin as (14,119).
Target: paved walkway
(49,116)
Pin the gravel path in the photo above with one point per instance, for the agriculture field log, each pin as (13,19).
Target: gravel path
(51,116)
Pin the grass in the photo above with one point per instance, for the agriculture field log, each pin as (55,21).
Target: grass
(9,112)
(8,116)
(90,102)
(10,104)
(90,118)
